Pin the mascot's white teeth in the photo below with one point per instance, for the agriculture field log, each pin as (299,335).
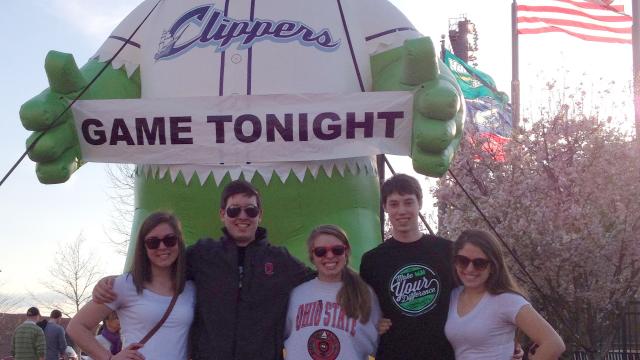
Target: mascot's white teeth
(117,63)
(282,170)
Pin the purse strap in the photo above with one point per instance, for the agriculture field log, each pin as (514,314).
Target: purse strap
(159,324)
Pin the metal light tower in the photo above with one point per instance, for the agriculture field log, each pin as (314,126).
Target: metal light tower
(463,37)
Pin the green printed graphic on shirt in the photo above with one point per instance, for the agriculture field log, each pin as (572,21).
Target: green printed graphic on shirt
(415,289)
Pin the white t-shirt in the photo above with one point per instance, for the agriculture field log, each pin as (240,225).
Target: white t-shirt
(317,328)
(488,331)
(139,313)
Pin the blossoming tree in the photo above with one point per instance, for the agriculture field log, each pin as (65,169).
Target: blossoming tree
(566,199)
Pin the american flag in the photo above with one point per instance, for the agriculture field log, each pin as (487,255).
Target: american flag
(592,20)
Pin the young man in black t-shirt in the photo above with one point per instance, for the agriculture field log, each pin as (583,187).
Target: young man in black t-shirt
(411,274)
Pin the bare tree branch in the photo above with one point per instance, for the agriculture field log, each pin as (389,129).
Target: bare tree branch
(8,303)
(72,275)
(121,194)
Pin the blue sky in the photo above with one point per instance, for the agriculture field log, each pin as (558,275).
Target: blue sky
(38,219)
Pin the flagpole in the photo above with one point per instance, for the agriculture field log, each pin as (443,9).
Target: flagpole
(635,48)
(515,70)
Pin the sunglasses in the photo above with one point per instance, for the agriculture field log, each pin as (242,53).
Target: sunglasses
(462,261)
(154,242)
(234,211)
(322,251)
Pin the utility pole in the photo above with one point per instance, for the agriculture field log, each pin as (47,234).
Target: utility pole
(635,48)
(515,67)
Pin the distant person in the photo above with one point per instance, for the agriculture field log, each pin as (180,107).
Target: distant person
(54,336)
(143,297)
(69,340)
(488,307)
(70,346)
(28,341)
(70,353)
(333,316)
(109,335)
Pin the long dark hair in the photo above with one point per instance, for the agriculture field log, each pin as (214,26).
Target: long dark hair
(141,268)
(354,296)
(500,279)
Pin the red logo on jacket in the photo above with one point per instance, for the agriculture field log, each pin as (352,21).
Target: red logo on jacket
(268,268)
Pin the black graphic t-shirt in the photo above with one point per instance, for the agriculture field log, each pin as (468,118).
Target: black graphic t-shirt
(413,282)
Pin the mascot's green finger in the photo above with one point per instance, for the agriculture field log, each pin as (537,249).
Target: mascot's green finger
(434,165)
(437,100)
(432,136)
(63,73)
(420,62)
(52,144)
(59,170)
(39,113)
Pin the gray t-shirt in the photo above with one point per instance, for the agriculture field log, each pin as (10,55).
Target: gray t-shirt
(488,331)
(139,313)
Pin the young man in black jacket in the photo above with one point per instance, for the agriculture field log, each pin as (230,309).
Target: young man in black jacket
(243,284)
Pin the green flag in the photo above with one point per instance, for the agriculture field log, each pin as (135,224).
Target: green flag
(473,82)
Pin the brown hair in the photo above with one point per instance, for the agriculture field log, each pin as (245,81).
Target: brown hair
(500,279)
(402,184)
(239,187)
(141,268)
(354,296)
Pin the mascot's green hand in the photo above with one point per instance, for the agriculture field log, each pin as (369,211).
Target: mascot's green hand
(57,152)
(438,110)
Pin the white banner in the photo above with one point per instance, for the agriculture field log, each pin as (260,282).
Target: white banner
(240,129)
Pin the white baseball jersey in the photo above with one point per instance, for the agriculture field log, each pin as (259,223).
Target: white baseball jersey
(229,47)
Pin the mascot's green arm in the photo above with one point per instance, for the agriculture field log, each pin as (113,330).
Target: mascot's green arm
(57,152)
(438,110)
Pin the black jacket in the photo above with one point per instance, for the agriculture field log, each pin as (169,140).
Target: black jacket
(247,322)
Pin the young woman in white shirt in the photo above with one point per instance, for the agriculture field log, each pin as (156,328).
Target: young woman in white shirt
(143,296)
(488,307)
(333,316)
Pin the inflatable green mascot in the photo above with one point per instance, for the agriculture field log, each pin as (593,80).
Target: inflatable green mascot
(196,48)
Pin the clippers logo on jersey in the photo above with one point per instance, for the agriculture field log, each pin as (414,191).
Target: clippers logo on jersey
(323,345)
(207,26)
(415,289)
